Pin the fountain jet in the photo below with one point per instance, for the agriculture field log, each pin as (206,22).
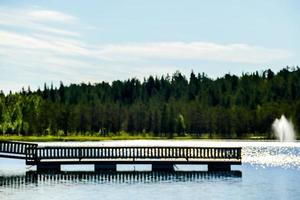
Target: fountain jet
(283,129)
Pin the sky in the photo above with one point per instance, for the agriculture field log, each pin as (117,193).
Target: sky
(96,40)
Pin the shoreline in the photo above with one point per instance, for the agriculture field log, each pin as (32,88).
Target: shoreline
(75,138)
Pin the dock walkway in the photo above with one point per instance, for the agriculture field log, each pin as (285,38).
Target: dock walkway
(106,158)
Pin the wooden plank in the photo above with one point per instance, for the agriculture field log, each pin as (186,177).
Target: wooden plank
(12,156)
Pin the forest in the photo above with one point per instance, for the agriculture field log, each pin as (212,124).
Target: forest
(168,106)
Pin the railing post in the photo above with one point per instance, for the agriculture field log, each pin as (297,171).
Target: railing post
(80,154)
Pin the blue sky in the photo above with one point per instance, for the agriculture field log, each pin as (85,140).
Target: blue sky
(94,41)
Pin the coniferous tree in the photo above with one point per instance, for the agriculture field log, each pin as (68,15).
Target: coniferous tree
(228,106)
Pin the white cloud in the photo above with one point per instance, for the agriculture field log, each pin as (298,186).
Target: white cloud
(49,15)
(57,31)
(241,53)
(29,20)
(54,40)
(232,53)
(59,46)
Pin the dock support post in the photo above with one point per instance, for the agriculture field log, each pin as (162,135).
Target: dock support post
(219,167)
(162,167)
(48,167)
(106,167)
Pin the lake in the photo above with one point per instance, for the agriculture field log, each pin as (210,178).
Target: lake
(270,170)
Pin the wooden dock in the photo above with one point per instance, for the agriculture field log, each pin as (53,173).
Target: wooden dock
(106,158)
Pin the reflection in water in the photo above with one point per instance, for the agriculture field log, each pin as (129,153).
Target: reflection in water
(33,177)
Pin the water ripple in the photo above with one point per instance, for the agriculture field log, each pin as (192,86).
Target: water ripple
(272,156)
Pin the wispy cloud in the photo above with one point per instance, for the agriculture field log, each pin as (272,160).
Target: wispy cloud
(49,15)
(25,42)
(241,53)
(57,31)
(31,19)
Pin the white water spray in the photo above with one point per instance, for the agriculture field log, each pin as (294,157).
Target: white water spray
(284,129)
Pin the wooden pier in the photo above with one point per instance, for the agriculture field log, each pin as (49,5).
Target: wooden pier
(106,158)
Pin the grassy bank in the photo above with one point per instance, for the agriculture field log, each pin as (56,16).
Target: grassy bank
(50,138)
(122,136)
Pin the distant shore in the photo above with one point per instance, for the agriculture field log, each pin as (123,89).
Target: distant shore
(78,138)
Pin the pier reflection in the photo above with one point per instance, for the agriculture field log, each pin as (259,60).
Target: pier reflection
(36,178)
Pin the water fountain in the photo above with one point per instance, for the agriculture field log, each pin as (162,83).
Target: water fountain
(284,129)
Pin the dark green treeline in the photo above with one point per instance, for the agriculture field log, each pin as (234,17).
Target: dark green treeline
(228,107)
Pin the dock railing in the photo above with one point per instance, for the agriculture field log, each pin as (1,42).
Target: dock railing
(11,149)
(132,152)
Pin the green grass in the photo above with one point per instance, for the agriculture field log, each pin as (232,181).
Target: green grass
(50,138)
(120,136)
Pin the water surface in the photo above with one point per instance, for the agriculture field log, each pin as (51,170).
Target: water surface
(270,170)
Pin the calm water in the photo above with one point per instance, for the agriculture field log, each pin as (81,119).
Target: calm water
(270,170)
